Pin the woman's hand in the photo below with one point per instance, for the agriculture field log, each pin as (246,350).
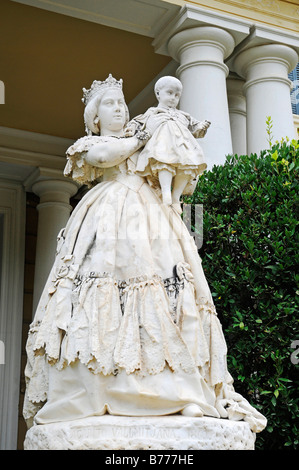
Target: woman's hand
(130,129)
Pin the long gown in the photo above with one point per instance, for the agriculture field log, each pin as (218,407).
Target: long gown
(126,323)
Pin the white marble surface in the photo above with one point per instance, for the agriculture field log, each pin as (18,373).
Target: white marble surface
(142,433)
(107,336)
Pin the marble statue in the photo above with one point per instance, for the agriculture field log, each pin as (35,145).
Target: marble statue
(172,154)
(126,324)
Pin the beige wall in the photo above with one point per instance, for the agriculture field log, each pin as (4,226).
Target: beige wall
(46,58)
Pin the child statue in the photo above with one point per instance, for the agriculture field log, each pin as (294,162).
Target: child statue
(172,155)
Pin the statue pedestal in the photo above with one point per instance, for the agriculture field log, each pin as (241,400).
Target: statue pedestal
(174,432)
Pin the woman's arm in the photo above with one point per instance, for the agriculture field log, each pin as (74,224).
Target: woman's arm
(112,153)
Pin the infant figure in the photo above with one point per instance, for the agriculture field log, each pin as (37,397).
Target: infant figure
(172,156)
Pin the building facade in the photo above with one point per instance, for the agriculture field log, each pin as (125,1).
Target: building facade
(237,60)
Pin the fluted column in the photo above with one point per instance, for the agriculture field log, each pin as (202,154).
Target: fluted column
(237,114)
(267,91)
(200,52)
(53,213)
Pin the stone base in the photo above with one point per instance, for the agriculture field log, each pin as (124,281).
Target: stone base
(141,433)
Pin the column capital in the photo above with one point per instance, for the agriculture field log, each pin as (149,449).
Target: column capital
(191,16)
(235,94)
(237,113)
(207,36)
(267,88)
(53,213)
(235,84)
(283,56)
(54,190)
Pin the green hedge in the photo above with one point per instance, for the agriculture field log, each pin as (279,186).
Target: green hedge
(250,255)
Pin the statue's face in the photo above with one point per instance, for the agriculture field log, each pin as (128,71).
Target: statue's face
(112,111)
(170,95)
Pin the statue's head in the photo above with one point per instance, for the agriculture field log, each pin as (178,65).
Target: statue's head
(105,106)
(168,90)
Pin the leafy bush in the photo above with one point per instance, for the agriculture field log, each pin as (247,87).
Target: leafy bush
(249,255)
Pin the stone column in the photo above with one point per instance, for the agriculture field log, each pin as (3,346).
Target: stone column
(237,114)
(201,52)
(267,90)
(53,213)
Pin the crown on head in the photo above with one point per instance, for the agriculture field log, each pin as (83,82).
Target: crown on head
(99,87)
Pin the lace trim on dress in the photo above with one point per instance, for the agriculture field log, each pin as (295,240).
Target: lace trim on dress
(107,323)
(76,167)
(80,171)
(173,285)
(140,325)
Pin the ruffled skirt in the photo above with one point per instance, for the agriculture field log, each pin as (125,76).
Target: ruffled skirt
(126,323)
(174,148)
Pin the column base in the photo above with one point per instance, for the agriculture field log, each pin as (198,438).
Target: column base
(142,433)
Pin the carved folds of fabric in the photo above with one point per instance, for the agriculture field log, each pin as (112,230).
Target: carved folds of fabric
(139,325)
(76,167)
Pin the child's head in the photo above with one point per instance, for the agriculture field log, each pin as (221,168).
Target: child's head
(168,91)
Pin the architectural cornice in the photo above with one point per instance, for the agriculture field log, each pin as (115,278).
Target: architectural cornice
(191,16)
(264,35)
(282,14)
(147,17)
(33,141)
(136,16)
(27,156)
(246,33)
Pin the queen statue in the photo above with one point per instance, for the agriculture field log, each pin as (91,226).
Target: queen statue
(126,323)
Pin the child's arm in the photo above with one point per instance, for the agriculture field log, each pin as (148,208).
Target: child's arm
(199,128)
